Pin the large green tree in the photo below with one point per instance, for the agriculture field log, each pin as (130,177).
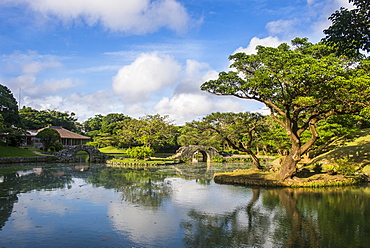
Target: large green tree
(301,85)
(350,29)
(48,137)
(8,108)
(234,130)
(156,131)
(37,119)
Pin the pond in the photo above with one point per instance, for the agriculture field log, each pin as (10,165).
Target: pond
(91,205)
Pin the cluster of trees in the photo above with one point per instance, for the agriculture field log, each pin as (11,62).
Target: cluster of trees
(312,91)
(118,130)
(33,119)
(15,122)
(305,83)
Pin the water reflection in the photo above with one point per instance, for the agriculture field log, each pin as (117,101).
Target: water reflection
(83,205)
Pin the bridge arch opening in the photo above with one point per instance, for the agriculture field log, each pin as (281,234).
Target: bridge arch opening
(83,156)
(199,156)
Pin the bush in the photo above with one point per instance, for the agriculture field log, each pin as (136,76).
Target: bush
(345,167)
(218,159)
(56,147)
(140,152)
(93,143)
(14,138)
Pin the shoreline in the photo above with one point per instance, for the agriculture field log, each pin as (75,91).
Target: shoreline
(267,179)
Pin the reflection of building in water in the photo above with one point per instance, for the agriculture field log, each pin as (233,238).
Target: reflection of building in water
(81,167)
(22,173)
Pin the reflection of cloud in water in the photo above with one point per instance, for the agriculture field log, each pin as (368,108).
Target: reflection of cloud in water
(156,226)
(143,226)
(212,200)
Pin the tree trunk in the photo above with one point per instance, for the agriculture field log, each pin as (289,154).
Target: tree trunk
(289,165)
(288,168)
(255,161)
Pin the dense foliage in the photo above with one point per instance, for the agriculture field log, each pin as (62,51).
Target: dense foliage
(301,85)
(8,109)
(350,29)
(140,152)
(33,119)
(49,137)
(153,131)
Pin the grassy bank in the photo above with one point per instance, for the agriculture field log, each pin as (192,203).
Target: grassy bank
(268,179)
(353,148)
(15,152)
(112,150)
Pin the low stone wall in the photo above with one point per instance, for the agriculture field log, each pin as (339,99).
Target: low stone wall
(121,164)
(27,160)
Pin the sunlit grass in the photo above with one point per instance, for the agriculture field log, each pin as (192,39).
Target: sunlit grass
(111,149)
(355,147)
(14,152)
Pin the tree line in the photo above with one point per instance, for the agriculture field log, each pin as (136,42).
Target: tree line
(314,92)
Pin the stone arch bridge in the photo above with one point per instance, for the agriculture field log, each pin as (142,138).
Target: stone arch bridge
(69,154)
(191,153)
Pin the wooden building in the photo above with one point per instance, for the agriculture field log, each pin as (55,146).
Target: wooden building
(68,138)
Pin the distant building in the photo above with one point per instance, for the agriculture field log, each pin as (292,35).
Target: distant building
(68,138)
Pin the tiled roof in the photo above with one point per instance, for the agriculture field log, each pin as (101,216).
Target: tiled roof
(66,134)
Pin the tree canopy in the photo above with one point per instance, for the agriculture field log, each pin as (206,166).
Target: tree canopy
(300,85)
(37,119)
(350,29)
(236,131)
(48,137)
(8,108)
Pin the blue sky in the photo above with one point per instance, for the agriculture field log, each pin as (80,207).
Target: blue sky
(140,57)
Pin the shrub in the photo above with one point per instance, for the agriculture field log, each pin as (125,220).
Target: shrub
(48,137)
(140,152)
(93,143)
(345,167)
(56,147)
(218,159)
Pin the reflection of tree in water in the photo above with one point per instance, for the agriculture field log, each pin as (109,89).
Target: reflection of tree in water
(146,187)
(286,218)
(295,230)
(13,184)
(339,215)
(244,226)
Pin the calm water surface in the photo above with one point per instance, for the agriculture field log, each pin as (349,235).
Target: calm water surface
(82,205)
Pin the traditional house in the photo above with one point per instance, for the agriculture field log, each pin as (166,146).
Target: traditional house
(68,138)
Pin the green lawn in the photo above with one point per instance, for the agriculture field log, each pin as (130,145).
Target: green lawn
(14,152)
(355,147)
(111,149)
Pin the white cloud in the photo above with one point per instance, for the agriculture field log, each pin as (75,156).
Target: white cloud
(83,105)
(251,48)
(30,62)
(146,75)
(309,21)
(282,27)
(27,85)
(130,16)
(195,74)
(184,107)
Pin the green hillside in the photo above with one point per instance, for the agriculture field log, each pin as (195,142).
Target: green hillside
(8,152)
(354,146)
